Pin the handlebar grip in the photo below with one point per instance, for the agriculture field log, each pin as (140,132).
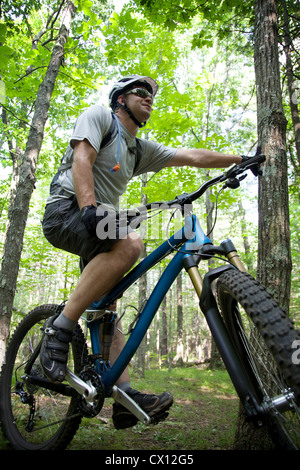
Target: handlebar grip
(253,160)
(250,163)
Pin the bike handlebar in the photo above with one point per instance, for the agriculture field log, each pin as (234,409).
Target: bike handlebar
(230,175)
(250,164)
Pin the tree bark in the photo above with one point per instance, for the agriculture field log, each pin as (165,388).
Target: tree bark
(291,80)
(215,358)
(18,211)
(140,358)
(164,332)
(179,349)
(274,260)
(245,237)
(274,256)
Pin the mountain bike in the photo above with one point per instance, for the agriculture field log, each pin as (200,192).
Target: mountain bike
(254,337)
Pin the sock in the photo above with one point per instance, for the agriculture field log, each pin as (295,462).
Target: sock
(65,323)
(125,386)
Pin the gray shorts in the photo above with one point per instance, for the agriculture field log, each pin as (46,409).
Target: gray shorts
(63,228)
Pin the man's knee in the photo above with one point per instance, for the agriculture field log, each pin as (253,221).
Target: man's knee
(136,243)
(131,247)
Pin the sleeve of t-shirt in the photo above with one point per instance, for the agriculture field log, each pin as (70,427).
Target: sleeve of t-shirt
(154,156)
(92,125)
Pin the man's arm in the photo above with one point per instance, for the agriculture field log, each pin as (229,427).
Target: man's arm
(84,159)
(203,158)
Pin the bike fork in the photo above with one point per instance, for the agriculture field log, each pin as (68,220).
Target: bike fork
(220,334)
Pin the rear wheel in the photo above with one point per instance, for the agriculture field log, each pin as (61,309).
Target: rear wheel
(33,416)
(264,339)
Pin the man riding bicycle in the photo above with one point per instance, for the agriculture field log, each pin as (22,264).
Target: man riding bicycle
(89,184)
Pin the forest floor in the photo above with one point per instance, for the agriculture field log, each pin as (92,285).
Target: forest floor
(203,415)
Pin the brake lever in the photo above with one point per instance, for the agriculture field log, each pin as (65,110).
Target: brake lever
(234,182)
(231,170)
(234,170)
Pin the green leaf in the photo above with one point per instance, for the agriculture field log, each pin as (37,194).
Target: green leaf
(2,32)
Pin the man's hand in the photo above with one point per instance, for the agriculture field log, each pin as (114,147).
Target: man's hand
(90,219)
(103,223)
(255,168)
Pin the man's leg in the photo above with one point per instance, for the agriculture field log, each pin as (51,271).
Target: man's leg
(153,405)
(102,273)
(98,277)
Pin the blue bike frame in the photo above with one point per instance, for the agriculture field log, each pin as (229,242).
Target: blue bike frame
(190,238)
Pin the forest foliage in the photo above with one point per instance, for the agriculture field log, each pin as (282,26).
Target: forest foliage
(202,57)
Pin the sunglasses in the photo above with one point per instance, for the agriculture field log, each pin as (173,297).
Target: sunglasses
(141,92)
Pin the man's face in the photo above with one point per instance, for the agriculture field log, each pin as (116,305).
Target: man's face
(141,107)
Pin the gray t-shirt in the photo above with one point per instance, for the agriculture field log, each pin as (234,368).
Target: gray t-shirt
(93,125)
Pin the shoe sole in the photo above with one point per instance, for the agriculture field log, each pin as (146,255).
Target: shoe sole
(125,419)
(162,407)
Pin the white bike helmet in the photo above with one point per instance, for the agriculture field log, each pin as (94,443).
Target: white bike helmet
(125,84)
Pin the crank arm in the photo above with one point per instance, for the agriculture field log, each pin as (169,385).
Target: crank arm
(122,398)
(85,389)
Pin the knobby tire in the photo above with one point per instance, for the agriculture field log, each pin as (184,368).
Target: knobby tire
(263,336)
(48,420)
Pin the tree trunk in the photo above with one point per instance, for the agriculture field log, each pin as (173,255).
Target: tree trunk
(215,358)
(179,349)
(18,211)
(157,337)
(170,329)
(249,261)
(140,358)
(291,81)
(249,437)
(274,261)
(164,332)
(274,257)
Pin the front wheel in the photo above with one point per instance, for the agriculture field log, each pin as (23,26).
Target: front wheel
(35,417)
(265,340)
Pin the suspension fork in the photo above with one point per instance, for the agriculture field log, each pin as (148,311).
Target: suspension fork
(232,255)
(208,305)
